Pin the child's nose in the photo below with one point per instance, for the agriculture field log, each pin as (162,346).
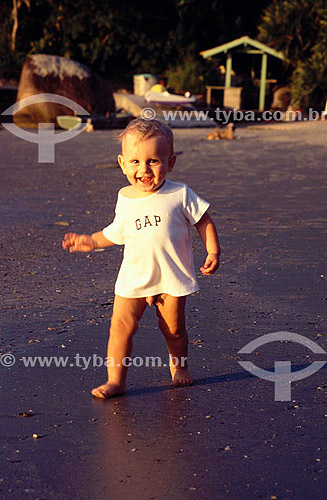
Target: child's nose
(144,167)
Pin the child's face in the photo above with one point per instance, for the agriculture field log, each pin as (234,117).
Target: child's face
(146,162)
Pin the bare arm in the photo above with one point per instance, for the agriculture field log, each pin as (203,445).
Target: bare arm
(84,242)
(208,233)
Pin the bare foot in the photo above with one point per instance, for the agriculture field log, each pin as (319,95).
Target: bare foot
(180,376)
(107,390)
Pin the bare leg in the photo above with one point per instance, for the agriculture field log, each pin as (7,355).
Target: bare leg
(171,315)
(124,322)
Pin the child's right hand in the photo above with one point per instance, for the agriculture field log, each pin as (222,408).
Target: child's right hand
(78,242)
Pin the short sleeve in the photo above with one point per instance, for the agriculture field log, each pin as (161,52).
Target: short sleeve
(115,231)
(194,207)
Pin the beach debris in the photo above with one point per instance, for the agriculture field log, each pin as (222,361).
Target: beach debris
(61,223)
(89,126)
(67,319)
(222,133)
(196,342)
(26,414)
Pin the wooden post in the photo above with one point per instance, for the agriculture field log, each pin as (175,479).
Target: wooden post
(228,75)
(208,97)
(263,77)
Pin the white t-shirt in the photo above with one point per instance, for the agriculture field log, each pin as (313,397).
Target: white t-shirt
(155,230)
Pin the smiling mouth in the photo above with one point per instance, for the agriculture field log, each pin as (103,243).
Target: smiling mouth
(145,180)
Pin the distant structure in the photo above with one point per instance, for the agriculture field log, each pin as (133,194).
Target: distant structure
(244,45)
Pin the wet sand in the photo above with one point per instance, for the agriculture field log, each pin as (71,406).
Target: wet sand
(223,438)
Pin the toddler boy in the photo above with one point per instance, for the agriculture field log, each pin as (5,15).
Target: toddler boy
(152,220)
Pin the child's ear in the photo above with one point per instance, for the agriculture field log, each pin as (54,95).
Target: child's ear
(121,163)
(171,162)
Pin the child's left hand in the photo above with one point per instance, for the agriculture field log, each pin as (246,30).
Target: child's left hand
(211,264)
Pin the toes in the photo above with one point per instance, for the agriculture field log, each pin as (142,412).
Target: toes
(182,382)
(99,392)
(107,391)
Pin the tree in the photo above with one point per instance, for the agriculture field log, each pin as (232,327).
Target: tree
(112,37)
(16,6)
(298,29)
(118,37)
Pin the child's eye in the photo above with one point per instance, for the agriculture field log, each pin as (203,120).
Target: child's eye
(134,162)
(153,160)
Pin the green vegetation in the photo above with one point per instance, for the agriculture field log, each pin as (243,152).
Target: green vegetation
(118,38)
(298,28)
(192,74)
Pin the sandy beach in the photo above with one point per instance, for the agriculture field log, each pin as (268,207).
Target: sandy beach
(223,438)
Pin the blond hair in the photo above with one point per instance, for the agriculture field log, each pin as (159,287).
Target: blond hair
(148,128)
